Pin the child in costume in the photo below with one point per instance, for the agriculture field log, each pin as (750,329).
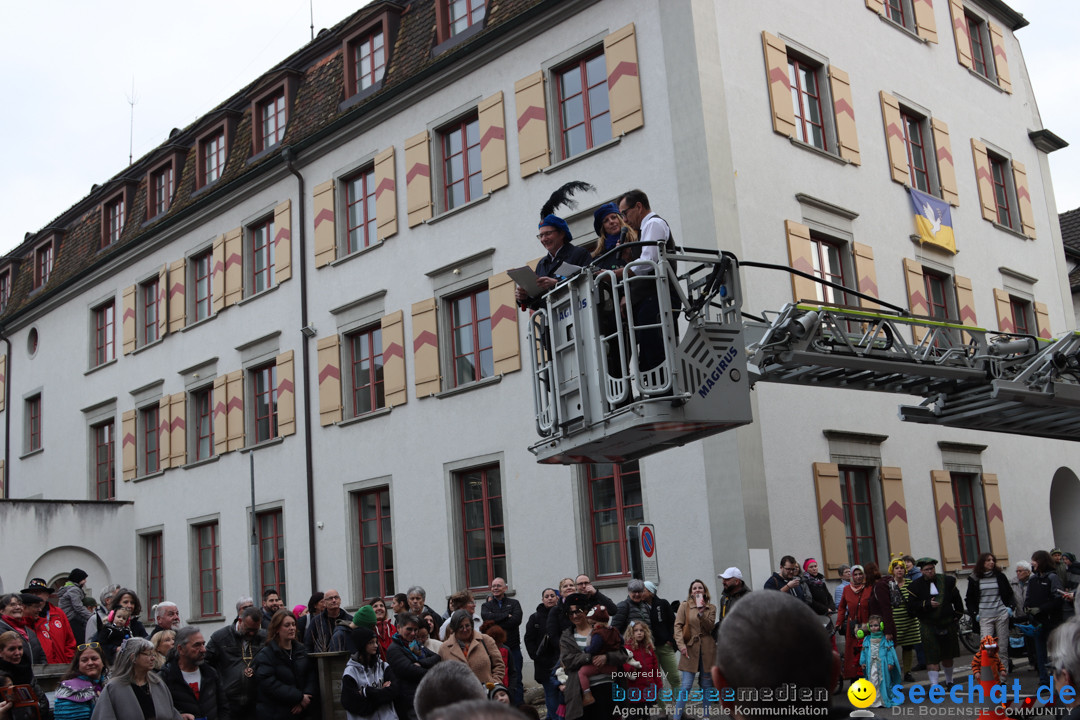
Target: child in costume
(879,662)
(604,639)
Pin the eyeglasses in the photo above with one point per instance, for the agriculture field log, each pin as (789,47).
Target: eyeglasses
(575,611)
(88,646)
(546,234)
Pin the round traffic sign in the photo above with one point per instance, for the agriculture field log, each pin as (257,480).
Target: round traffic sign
(648,544)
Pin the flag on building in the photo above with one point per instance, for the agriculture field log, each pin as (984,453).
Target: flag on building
(933,220)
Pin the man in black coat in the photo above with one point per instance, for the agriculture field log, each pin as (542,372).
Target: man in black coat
(195,686)
(506,613)
(231,651)
(410,662)
(936,602)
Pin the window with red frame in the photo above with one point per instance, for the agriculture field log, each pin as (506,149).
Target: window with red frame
(827,259)
(975,28)
(264,383)
(271,551)
(937,288)
(858,515)
(204,291)
(271,121)
(360,210)
(894,10)
(470,337)
(999,169)
(206,537)
(584,113)
(114,221)
(482,524)
(154,555)
(161,190)
(212,157)
(462,174)
(376,543)
(151,457)
(914,141)
(463,14)
(43,261)
(1021,311)
(149,297)
(104,334)
(104,469)
(804,78)
(5,289)
(33,423)
(369,60)
(614,502)
(262,256)
(366,362)
(963,486)
(204,423)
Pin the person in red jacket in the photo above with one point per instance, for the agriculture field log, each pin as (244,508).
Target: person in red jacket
(644,668)
(61,636)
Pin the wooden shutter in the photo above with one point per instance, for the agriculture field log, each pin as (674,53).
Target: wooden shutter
(776,71)
(916,289)
(127,445)
(960,33)
(624,89)
(177,305)
(385,194)
(1001,62)
(493,165)
(217,273)
(948,529)
(531,105)
(234,409)
(865,274)
(945,166)
(505,343)
(418,178)
(393,353)
(925,24)
(896,522)
(995,523)
(1023,199)
(177,430)
(234,266)
(164,310)
(845,115)
(283,242)
(329,359)
(286,395)
(830,506)
(984,179)
(800,257)
(127,308)
(219,402)
(965,302)
(894,138)
(325,235)
(164,433)
(1042,320)
(877,6)
(426,347)
(1003,306)
(3,385)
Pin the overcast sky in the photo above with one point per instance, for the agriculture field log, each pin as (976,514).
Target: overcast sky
(69,67)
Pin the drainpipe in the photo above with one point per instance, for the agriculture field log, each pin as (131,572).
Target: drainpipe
(4,483)
(289,156)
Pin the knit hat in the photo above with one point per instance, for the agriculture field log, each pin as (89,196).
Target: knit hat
(599,614)
(299,610)
(602,212)
(558,223)
(77,575)
(808,563)
(361,636)
(493,688)
(650,586)
(364,617)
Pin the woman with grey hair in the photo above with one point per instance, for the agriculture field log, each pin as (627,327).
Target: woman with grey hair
(1064,657)
(133,691)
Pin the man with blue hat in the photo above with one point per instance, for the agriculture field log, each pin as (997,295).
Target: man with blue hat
(554,235)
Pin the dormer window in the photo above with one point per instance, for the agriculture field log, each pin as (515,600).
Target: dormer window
(464,14)
(43,262)
(369,60)
(161,189)
(366,49)
(271,121)
(113,221)
(5,289)
(212,157)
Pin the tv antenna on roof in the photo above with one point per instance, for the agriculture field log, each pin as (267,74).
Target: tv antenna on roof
(311,7)
(132,99)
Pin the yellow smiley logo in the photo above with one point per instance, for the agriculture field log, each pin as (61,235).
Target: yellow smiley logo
(862,693)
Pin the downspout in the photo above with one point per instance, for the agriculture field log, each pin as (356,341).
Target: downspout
(7,418)
(289,156)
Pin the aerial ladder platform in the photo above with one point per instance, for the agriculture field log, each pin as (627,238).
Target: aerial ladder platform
(594,403)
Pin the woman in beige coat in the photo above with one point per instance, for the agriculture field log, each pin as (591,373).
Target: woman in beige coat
(697,647)
(476,650)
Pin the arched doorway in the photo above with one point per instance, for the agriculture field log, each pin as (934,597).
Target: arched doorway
(54,565)
(1065,509)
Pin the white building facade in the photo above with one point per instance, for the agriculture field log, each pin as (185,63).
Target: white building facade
(303,296)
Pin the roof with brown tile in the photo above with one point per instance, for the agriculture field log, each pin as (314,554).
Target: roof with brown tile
(317,106)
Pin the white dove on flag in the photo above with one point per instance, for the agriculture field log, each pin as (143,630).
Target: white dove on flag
(935,220)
